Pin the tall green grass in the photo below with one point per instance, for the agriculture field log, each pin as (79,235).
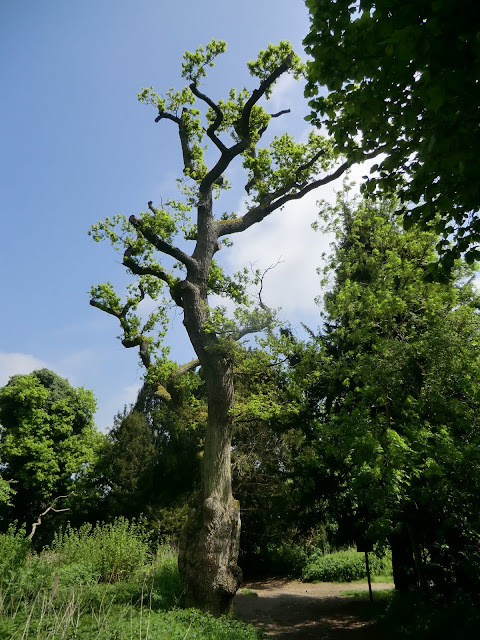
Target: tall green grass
(103,582)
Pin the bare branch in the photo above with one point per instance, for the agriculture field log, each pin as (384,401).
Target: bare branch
(218,117)
(280,113)
(50,508)
(261,279)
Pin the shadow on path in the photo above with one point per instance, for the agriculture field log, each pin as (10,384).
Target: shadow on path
(295,610)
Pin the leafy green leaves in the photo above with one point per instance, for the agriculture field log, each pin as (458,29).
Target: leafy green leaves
(271,58)
(193,65)
(404,74)
(47,439)
(399,391)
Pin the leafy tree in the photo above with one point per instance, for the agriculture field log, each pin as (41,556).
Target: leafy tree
(281,172)
(48,442)
(149,465)
(125,465)
(403,75)
(398,398)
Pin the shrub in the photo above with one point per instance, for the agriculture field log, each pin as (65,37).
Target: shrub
(344,566)
(107,552)
(14,550)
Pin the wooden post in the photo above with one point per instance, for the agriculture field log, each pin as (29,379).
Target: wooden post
(368,577)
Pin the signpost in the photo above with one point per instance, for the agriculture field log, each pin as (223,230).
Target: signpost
(366,546)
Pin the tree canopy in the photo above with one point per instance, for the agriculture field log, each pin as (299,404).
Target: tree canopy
(398,397)
(403,75)
(47,441)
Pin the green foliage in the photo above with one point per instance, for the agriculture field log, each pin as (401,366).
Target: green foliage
(403,75)
(397,402)
(108,552)
(6,492)
(48,443)
(126,465)
(193,66)
(344,566)
(56,593)
(413,615)
(271,58)
(14,550)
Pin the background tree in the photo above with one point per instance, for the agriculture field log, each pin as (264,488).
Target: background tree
(398,396)
(48,443)
(403,74)
(277,174)
(150,464)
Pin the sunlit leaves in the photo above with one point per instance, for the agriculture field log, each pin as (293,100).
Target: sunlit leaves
(271,58)
(404,74)
(401,385)
(193,65)
(286,165)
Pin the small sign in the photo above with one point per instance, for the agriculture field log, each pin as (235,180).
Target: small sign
(364,546)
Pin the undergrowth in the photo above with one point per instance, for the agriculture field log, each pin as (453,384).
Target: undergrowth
(103,582)
(344,566)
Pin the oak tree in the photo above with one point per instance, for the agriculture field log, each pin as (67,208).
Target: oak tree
(189,233)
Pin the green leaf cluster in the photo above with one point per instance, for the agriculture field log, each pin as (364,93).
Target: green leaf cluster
(403,75)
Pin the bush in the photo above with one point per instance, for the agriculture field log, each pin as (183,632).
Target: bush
(344,566)
(106,553)
(14,550)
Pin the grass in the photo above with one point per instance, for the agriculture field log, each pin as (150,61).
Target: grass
(104,583)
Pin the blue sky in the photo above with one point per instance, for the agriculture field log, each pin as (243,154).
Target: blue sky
(76,146)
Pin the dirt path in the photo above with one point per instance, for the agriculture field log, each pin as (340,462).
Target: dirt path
(293,610)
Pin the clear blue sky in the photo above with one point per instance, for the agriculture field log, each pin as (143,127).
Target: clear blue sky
(76,146)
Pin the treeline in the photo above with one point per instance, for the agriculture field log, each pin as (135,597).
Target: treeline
(364,431)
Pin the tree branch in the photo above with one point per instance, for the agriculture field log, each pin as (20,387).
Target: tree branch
(218,117)
(50,508)
(258,213)
(162,389)
(161,245)
(139,340)
(242,127)
(141,270)
(143,348)
(184,142)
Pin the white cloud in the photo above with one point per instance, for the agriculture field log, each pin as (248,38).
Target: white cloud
(18,363)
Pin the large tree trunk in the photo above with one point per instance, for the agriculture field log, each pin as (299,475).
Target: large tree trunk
(210,542)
